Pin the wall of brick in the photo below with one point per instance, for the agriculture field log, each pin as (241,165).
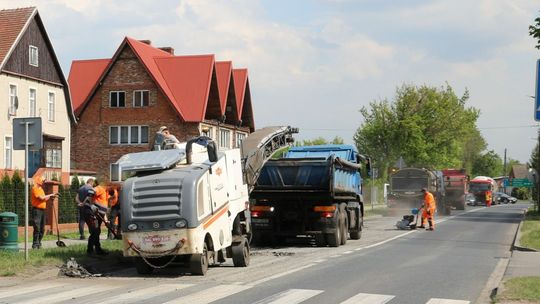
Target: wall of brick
(90,148)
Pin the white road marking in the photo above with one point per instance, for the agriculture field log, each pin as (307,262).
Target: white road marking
(145,293)
(210,294)
(22,290)
(368,298)
(347,252)
(291,296)
(446,301)
(281,274)
(319,261)
(69,295)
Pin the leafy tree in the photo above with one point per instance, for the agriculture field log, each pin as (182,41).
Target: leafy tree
(75,183)
(488,164)
(337,141)
(534,31)
(428,126)
(7,193)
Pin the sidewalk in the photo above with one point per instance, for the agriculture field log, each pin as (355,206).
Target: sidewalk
(524,262)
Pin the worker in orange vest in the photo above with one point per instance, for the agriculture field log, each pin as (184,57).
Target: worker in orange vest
(428,212)
(94,214)
(39,205)
(114,214)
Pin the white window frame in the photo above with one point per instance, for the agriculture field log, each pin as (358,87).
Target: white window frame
(141,93)
(51,106)
(32,102)
(240,136)
(225,138)
(8,152)
(117,99)
(53,158)
(13,99)
(118,130)
(33,55)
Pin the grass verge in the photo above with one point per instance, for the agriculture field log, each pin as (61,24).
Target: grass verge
(530,230)
(520,289)
(13,263)
(51,237)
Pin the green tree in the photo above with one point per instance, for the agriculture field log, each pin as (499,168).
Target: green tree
(428,126)
(337,141)
(534,31)
(314,142)
(488,164)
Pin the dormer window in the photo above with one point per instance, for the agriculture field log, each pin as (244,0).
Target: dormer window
(33,56)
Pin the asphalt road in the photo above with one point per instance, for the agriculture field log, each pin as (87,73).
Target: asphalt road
(450,265)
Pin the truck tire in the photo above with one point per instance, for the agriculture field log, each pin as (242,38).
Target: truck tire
(344,228)
(142,267)
(240,254)
(356,234)
(334,239)
(198,263)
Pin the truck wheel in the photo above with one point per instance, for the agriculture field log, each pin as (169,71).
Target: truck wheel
(344,228)
(198,263)
(334,239)
(356,234)
(240,254)
(142,267)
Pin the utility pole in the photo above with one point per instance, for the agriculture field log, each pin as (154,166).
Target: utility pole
(538,173)
(504,172)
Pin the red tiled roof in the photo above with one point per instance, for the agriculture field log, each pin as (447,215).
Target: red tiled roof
(84,75)
(223,73)
(184,80)
(12,22)
(188,79)
(240,83)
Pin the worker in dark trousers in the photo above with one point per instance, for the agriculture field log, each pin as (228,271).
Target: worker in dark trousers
(79,199)
(94,214)
(39,207)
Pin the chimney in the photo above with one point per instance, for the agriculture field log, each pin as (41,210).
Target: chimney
(167,49)
(146,41)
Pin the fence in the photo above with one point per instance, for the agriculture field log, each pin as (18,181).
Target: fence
(12,200)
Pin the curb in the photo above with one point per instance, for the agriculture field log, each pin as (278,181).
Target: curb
(517,243)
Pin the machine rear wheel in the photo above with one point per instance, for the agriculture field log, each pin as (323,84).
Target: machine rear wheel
(344,228)
(240,254)
(334,239)
(198,263)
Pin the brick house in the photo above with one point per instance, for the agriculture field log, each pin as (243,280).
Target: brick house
(33,85)
(121,102)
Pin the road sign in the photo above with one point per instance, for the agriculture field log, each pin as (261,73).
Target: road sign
(521,182)
(537,94)
(35,138)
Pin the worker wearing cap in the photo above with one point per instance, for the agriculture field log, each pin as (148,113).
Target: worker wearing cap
(169,138)
(39,206)
(428,212)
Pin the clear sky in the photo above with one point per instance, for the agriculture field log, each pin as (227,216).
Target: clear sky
(314,64)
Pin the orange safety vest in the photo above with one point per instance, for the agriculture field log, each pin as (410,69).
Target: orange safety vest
(429,201)
(101,196)
(114,199)
(37,192)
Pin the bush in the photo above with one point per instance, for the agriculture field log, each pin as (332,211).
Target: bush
(521,193)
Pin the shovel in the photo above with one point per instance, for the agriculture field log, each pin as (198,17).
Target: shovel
(59,243)
(107,224)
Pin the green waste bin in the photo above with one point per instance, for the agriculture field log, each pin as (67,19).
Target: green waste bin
(8,231)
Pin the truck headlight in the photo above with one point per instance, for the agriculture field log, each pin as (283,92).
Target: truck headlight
(181,223)
(132,227)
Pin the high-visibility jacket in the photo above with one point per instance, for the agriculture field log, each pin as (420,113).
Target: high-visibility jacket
(37,192)
(429,202)
(101,196)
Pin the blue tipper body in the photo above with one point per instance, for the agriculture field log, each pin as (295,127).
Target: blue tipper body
(323,171)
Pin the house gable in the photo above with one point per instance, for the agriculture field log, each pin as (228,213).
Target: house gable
(18,61)
(226,92)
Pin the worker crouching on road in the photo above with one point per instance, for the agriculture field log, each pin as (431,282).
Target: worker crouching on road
(95,209)
(428,212)
(39,206)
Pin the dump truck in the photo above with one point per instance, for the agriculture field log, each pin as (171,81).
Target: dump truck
(483,189)
(455,184)
(188,205)
(406,185)
(313,192)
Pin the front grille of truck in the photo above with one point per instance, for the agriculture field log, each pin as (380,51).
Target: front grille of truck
(156,199)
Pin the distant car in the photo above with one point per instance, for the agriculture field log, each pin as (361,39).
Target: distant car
(505,198)
(470,199)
